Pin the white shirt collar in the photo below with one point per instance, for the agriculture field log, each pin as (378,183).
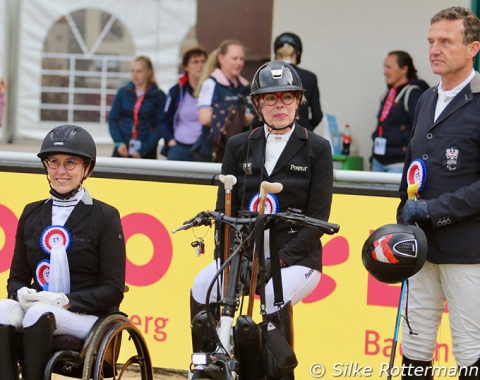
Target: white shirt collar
(454,91)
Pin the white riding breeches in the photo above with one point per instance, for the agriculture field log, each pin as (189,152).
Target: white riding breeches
(297,283)
(66,322)
(429,290)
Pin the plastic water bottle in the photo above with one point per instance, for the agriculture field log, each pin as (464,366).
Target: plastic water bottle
(346,140)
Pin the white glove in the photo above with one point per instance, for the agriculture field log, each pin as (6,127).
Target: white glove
(22,292)
(50,298)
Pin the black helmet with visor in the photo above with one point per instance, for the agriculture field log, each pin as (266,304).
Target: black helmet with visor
(70,140)
(395,252)
(290,39)
(276,76)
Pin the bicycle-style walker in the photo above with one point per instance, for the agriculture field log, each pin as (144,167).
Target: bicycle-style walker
(232,344)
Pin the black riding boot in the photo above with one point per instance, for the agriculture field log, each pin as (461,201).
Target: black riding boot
(37,347)
(8,353)
(410,369)
(203,329)
(471,372)
(284,320)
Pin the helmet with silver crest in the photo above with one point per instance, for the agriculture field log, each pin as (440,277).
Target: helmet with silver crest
(394,252)
(276,76)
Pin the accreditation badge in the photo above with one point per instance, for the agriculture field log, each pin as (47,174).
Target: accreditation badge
(380,146)
(134,146)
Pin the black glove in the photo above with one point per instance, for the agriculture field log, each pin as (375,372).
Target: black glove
(415,211)
(246,274)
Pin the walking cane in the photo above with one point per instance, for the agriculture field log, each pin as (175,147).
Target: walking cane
(228,181)
(265,188)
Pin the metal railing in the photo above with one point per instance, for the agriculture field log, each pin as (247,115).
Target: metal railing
(346,181)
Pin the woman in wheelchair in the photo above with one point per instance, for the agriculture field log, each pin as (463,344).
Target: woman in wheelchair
(68,265)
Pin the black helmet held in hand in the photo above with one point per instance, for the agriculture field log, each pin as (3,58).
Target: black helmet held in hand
(276,76)
(394,252)
(291,39)
(71,140)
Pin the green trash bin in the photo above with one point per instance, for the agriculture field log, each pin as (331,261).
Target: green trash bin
(343,162)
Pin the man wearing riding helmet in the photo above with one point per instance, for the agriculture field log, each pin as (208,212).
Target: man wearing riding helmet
(280,151)
(68,265)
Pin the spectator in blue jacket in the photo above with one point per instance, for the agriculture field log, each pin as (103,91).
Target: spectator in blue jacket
(395,116)
(180,125)
(137,108)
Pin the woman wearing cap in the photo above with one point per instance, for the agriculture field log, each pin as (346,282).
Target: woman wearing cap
(68,265)
(280,151)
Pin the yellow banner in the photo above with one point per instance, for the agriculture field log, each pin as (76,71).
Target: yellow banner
(344,328)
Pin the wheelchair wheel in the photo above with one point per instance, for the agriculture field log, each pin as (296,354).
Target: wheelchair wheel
(105,347)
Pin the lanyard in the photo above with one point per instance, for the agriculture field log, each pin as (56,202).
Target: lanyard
(136,111)
(388,104)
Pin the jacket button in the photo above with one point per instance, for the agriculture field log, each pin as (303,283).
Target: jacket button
(425,157)
(429,136)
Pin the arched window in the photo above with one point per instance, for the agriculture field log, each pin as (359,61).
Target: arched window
(86,57)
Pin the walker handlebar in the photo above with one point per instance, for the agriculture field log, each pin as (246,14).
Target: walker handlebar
(206,218)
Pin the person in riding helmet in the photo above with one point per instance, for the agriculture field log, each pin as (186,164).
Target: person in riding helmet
(288,48)
(68,265)
(281,151)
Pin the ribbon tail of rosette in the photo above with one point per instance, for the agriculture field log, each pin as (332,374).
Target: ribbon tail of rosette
(59,278)
(412,191)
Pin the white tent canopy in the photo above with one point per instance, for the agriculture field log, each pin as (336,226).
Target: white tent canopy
(73,55)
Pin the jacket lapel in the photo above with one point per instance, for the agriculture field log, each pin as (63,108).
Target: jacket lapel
(46,215)
(80,211)
(257,147)
(463,97)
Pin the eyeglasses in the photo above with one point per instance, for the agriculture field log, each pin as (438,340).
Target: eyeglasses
(69,163)
(272,98)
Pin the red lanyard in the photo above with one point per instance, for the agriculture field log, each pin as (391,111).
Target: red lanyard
(386,108)
(136,111)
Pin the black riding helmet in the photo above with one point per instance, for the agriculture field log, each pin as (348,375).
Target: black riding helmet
(72,140)
(395,252)
(291,39)
(276,76)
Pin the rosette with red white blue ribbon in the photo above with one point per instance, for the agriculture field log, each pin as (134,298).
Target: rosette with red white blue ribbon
(55,240)
(417,174)
(42,273)
(55,237)
(271,203)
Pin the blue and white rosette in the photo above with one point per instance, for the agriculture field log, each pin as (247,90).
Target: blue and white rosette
(271,203)
(55,240)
